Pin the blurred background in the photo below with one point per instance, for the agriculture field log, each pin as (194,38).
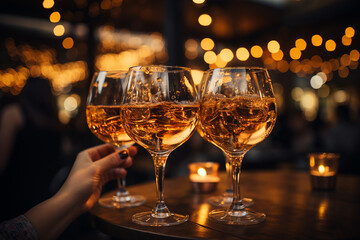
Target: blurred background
(49,50)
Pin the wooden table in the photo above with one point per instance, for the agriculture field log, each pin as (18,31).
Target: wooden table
(293,210)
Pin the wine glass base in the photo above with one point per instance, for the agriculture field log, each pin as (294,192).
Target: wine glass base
(109,202)
(243,217)
(147,219)
(224,201)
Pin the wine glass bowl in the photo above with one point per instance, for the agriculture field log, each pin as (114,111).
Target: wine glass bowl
(103,117)
(236,115)
(160,113)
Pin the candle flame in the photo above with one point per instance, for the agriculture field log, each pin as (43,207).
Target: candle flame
(202,172)
(321,169)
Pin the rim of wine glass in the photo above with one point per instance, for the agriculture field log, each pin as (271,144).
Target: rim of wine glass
(239,68)
(174,68)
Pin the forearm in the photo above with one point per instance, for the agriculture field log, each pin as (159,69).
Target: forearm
(51,217)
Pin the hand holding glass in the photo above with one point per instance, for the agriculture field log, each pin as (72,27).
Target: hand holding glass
(103,118)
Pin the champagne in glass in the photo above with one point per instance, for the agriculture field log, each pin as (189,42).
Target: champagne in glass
(237,115)
(160,112)
(103,117)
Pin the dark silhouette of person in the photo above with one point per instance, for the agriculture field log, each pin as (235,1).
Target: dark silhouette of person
(30,146)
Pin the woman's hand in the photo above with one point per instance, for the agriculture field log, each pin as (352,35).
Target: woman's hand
(92,169)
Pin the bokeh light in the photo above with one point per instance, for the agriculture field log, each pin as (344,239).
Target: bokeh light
(226,55)
(48,4)
(273,46)
(350,32)
(256,51)
(295,53)
(68,43)
(55,17)
(59,30)
(300,44)
(242,54)
(316,40)
(330,45)
(205,20)
(210,57)
(207,44)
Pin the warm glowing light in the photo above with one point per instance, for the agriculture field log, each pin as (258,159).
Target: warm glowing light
(256,51)
(196,75)
(300,44)
(295,53)
(278,56)
(323,76)
(219,62)
(70,104)
(55,17)
(207,44)
(242,54)
(210,57)
(283,66)
(59,30)
(198,1)
(205,20)
(321,169)
(330,45)
(48,3)
(354,55)
(316,40)
(316,82)
(273,46)
(297,93)
(312,161)
(226,55)
(349,32)
(68,43)
(202,172)
(346,41)
(340,96)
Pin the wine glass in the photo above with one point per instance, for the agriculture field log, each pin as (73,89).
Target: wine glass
(103,118)
(160,112)
(225,199)
(237,115)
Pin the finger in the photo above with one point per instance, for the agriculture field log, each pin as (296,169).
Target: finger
(111,161)
(132,150)
(100,151)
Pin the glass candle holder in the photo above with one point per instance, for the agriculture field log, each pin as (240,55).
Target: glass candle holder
(323,170)
(204,176)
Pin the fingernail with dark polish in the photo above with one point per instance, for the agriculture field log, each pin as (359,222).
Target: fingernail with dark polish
(123,154)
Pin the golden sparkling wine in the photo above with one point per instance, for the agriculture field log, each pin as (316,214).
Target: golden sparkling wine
(160,127)
(237,124)
(105,123)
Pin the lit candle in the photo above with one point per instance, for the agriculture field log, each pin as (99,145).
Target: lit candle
(204,176)
(323,169)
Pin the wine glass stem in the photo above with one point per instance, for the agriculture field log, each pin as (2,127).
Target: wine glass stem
(237,204)
(160,210)
(121,183)
(229,184)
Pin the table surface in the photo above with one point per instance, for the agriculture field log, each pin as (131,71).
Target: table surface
(293,210)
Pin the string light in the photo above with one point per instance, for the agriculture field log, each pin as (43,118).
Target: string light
(68,43)
(295,53)
(316,40)
(350,32)
(273,46)
(48,4)
(59,30)
(242,54)
(210,57)
(205,20)
(207,44)
(256,51)
(55,17)
(226,55)
(300,44)
(330,45)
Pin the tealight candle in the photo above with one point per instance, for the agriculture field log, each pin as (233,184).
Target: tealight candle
(323,170)
(204,176)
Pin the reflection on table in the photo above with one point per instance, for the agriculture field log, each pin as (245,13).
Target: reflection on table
(293,210)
